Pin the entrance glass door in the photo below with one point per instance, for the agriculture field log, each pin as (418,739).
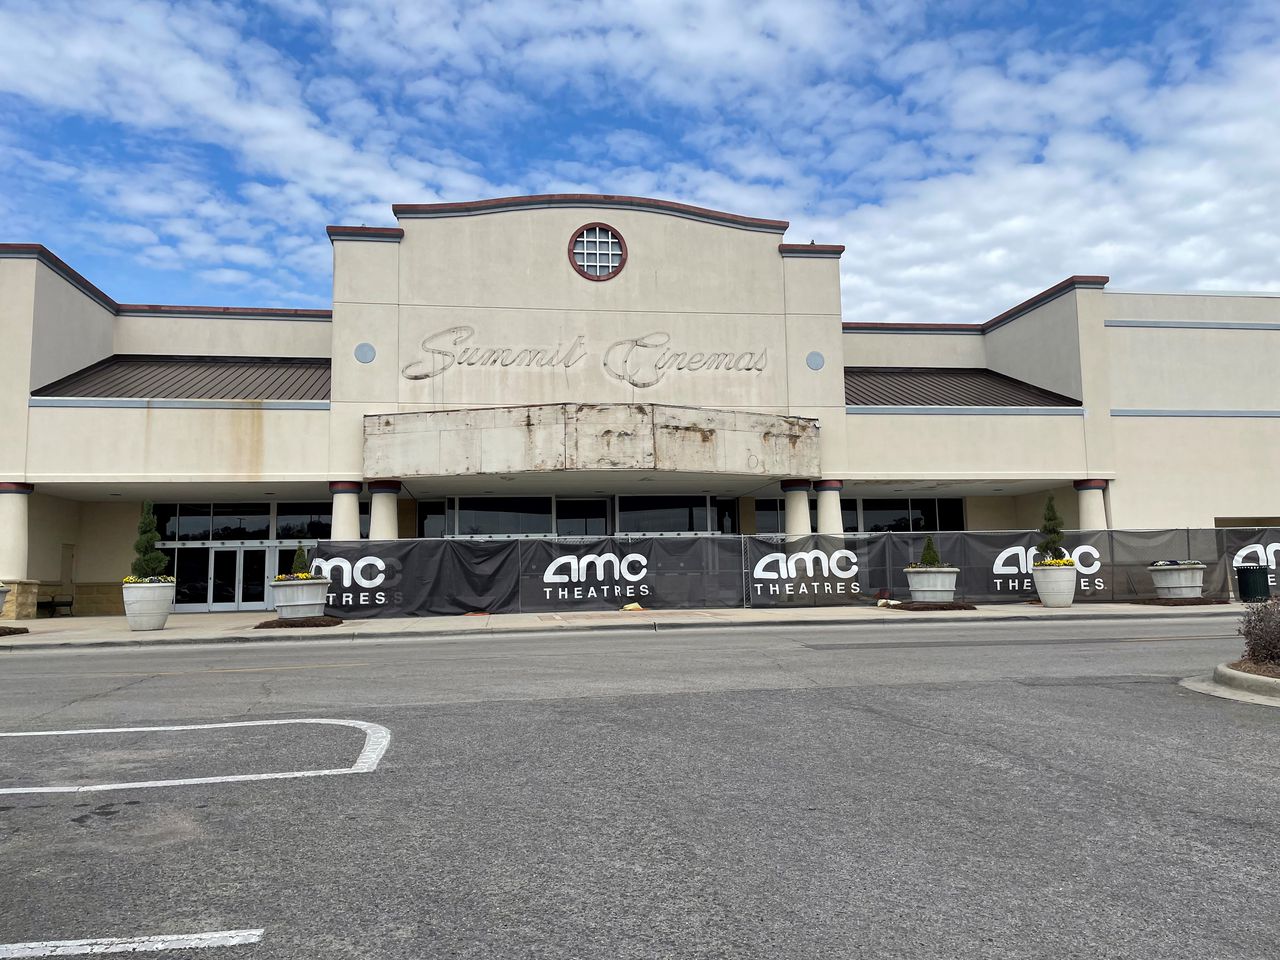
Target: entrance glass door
(237,578)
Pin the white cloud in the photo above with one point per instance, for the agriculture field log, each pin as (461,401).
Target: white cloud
(964,164)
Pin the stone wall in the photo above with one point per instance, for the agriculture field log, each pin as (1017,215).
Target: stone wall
(99,600)
(20,603)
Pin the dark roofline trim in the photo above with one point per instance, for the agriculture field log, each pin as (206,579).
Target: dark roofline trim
(42,254)
(1039,300)
(473,208)
(379,234)
(831,251)
(255,313)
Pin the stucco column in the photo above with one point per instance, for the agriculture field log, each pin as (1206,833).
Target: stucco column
(1092,505)
(830,516)
(346,509)
(795,494)
(13,530)
(384,522)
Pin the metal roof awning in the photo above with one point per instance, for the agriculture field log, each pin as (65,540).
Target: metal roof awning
(943,387)
(197,378)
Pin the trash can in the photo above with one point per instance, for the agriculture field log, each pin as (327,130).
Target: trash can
(1251,583)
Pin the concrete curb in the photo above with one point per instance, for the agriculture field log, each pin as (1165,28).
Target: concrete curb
(1248,682)
(347,634)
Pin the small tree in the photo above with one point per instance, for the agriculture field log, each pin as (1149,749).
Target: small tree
(929,555)
(1051,546)
(149,561)
(300,564)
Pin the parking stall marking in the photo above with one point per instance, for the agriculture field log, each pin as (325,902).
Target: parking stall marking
(76,948)
(377,739)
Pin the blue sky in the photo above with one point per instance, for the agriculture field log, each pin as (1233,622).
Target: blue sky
(967,154)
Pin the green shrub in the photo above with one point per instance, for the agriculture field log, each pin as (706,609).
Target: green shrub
(148,562)
(300,564)
(1260,627)
(1051,546)
(929,555)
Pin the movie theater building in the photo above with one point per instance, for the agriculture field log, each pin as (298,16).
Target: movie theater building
(583,366)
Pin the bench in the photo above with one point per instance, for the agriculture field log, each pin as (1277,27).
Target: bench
(52,603)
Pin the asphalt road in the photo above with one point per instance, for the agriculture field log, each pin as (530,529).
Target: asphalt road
(987,790)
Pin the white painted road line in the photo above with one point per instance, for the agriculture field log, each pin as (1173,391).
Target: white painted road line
(77,948)
(376,740)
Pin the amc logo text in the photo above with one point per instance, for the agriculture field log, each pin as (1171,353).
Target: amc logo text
(367,573)
(1019,562)
(593,569)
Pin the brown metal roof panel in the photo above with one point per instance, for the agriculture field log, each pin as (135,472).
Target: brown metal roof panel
(197,378)
(944,387)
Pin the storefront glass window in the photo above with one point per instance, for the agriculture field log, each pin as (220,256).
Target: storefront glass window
(166,520)
(727,515)
(849,514)
(662,514)
(582,518)
(241,521)
(503,516)
(887,515)
(191,568)
(431,518)
(195,521)
(303,521)
(768,516)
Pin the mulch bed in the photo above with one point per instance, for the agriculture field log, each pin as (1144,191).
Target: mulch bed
(1179,601)
(920,605)
(1260,669)
(12,631)
(299,622)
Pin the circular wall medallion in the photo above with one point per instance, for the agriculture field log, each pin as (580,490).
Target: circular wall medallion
(597,251)
(815,360)
(365,352)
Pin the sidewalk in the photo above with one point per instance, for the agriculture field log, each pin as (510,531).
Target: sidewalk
(184,628)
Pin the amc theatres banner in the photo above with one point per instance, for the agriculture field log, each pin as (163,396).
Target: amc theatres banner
(413,578)
(402,578)
(815,571)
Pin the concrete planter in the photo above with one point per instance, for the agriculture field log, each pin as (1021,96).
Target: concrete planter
(147,605)
(1056,585)
(1181,582)
(299,598)
(932,584)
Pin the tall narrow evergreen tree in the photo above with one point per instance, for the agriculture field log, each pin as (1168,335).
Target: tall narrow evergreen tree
(149,561)
(1051,546)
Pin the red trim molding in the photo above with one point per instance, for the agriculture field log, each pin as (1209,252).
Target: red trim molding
(345,486)
(826,251)
(1090,484)
(828,485)
(386,234)
(471,208)
(1041,298)
(790,485)
(621,243)
(383,486)
(23,488)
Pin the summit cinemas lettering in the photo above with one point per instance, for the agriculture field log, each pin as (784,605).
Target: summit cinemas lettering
(437,357)
(642,361)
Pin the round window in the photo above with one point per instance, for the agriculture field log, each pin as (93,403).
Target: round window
(597,251)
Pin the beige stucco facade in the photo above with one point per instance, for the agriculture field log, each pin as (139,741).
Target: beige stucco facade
(470,356)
